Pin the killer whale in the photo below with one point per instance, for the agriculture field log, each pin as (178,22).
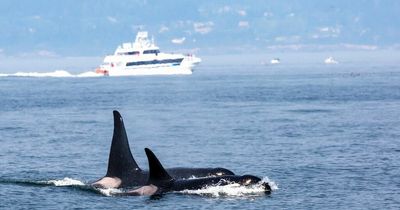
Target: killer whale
(123,171)
(160,181)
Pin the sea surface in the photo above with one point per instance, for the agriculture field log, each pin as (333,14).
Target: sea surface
(327,136)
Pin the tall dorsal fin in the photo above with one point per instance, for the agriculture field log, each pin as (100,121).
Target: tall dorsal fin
(120,162)
(157,174)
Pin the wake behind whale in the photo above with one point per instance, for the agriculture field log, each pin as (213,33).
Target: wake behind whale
(232,190)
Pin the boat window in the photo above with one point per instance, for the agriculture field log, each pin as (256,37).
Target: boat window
(151,51)
(166,61)
(129,53)
(133,53)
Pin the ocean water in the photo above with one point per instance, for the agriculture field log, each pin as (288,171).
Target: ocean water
(327,136)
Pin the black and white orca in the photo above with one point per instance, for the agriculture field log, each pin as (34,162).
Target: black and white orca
(160,181)
(123,171)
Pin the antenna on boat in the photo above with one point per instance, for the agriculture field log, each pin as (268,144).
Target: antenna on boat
(139,28)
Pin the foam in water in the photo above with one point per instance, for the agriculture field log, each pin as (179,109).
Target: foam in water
(233,190)
(138,72)
(57,73)
(271,183)
(65,182)
(109,191)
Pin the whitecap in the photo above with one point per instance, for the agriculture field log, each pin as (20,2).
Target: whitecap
(66,182)
(271,183)
(234,189)
(109,191)
(57,73)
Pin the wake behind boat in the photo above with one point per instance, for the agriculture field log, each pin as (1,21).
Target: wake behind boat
(143,57)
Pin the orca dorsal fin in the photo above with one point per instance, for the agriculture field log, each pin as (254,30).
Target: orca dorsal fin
(157,174)
(120,161)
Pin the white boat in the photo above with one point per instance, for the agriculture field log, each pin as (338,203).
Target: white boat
(330,60)
(275,61)
(143,57)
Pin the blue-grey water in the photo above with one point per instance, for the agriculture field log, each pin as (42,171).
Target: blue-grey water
(328,136)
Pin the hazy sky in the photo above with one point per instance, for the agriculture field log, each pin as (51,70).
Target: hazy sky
(95,27)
